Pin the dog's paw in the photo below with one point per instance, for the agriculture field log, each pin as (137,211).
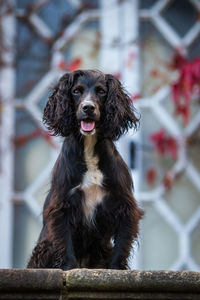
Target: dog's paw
(118,266)
(70,265)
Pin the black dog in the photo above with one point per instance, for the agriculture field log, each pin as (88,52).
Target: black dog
(90,201)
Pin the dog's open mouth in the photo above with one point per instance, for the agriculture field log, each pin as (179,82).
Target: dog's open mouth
(87,127)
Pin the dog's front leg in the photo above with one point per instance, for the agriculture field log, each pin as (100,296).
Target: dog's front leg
(65,255)
(70,261)
(123,239)
(60,234)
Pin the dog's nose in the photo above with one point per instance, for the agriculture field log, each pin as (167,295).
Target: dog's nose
(88,108)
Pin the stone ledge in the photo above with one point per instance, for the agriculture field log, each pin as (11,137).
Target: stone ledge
(31,279)
(98,284)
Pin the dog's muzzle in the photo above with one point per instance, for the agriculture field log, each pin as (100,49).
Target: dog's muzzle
(88,117)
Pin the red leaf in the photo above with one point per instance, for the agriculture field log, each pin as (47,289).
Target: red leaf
(184,110)
(117,75)
(70,66)
(168,181)
(187,84)
(178,60)
(164,144)
(130,59)
(62,65)
(158,139)
(175,92)
(75,64)
(151,175)
(135,97)
(172,147)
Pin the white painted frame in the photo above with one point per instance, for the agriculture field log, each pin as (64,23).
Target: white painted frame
(7,92)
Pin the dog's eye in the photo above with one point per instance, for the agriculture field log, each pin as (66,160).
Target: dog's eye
(100,91)
(76,91)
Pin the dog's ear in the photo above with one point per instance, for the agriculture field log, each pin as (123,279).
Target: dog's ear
(119,114)
(59,115)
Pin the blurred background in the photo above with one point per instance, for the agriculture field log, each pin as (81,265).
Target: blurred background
(153,47)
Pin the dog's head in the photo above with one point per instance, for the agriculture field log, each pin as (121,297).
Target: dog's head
(89,102)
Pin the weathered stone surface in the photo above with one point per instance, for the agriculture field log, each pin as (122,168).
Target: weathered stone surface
(87,284)
(130,295)
(30,279)
(135,281)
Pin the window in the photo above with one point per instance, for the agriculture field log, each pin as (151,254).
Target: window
(153,47)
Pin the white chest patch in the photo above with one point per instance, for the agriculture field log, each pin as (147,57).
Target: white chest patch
(92,180)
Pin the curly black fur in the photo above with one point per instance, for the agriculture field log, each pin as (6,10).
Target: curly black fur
(68,240)
(59,113)
(118,113)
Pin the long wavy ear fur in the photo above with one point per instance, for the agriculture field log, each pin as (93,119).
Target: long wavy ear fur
(59,115)
(119,114)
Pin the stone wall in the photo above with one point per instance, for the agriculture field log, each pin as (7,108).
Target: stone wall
(98,284)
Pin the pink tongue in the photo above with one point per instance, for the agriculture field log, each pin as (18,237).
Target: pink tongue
(87,126)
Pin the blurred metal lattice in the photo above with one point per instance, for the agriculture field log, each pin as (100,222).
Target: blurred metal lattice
(183,164)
